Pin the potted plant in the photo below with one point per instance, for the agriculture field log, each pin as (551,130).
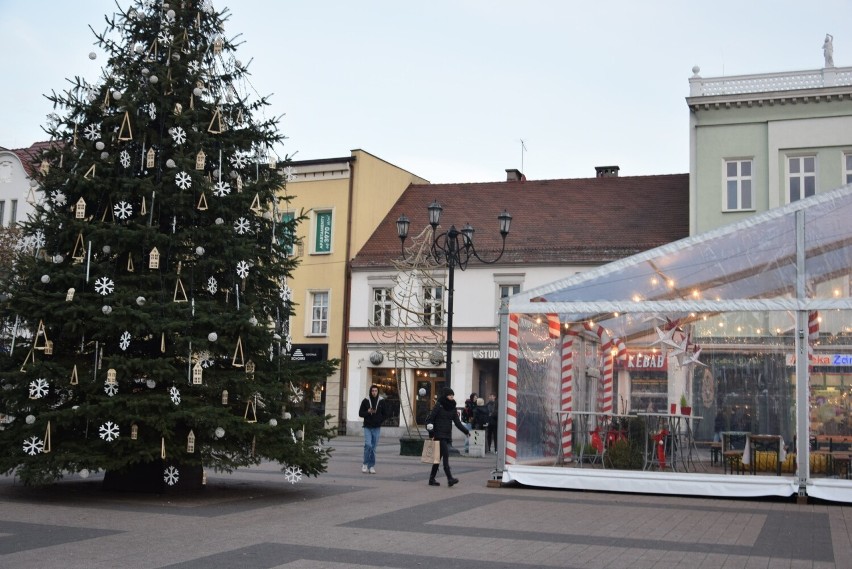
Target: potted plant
(685,409)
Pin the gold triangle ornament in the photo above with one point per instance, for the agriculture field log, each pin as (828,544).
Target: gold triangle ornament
(144,209)
(202,203)
(108,212)
(40,342)
(106,97)
(90,173)
(215,126)
(130,267)
(74,379)
(79,249)
(163,448)
(163,343)
(255,205)
(180,292)
(47,438)
(251,412)
(30,357)
(239,358)
(125,132)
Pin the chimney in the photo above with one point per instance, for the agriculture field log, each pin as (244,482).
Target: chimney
(605,171)
(514,175)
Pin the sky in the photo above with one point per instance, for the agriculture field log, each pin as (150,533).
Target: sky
(449,89)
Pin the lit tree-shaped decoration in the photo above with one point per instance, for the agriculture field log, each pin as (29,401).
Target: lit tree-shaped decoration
(172,87)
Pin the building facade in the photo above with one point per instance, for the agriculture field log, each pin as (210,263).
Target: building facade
(344,200)
(398,321)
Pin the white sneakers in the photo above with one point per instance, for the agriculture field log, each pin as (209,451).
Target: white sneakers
(372,470)
(364,468)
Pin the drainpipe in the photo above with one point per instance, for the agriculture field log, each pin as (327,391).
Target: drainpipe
(347,289)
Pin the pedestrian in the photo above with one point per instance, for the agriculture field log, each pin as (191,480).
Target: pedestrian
(480,415)
(439,424)
(491,429)
(373,412)
(467,417)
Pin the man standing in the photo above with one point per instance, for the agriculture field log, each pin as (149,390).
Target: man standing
(373,412)
(467,418)
(491,429)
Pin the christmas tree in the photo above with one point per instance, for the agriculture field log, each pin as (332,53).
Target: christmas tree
(149,296)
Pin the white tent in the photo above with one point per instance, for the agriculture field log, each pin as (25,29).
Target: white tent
(753,321)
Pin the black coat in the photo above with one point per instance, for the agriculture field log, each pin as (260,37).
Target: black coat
(480,417)
(441,417)
(379,414)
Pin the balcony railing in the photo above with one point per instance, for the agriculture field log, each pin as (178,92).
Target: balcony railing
(768,82)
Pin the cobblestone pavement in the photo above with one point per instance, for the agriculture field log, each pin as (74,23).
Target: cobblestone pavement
(255,519)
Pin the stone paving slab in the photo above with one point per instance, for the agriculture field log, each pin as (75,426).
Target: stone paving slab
(254,518)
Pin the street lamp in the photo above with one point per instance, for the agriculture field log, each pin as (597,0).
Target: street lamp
(455,249)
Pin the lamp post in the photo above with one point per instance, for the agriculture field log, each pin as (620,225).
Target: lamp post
(453,248)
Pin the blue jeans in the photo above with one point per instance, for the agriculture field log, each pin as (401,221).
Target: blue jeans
(469,427)
(371,441)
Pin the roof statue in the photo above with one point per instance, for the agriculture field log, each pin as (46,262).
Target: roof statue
(828,50)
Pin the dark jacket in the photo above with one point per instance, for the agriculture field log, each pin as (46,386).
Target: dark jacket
(441,417)
(480,417)
(375,419)
(491,407)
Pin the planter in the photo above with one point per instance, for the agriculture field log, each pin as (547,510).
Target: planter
(686,410)
(409,446)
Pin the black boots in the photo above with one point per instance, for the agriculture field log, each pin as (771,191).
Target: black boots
(452,481)
(433,482)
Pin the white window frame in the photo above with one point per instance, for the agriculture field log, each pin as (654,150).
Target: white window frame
(2,212)
(432,298)
(847,168)
(505,280)
(802,176)
(741,182)
(317,324)
(383,306)
(13,213)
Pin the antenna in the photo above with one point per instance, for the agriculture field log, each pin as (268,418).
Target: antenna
(523,149)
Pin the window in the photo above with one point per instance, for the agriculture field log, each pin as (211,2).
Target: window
(801,177)
(433,305)
(319,313)
(382,306)
(2,212)
(13,212)
(847,169)
(738,185)
(322,232)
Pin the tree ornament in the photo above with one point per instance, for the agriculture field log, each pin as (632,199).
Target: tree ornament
(74,379)
(39,388)
(219,432)
(40,337)
(197,373)
(154,259)
(111,377)
(79,252)
(183,180)
(150,157)
(251,411)
(202,203)
(190,442)
(224,397)
(80,209)
(239,358)
(180,292)
(134,431)
(215,126)
(125,132)
(109,431)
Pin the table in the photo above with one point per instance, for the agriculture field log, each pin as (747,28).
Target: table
(675,434)
(755,443)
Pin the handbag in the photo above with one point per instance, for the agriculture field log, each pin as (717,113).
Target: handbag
(431,452)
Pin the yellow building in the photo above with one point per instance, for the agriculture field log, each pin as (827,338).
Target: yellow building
(344,200)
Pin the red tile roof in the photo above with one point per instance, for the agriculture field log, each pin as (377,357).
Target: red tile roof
(31,157)
(575,221)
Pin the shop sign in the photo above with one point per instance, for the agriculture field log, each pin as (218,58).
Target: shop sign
(829,360)
(308,352)
(486,355)
(638,361)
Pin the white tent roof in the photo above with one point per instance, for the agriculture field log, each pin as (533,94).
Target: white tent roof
(760,263)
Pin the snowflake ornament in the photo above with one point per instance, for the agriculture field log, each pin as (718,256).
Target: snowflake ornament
(35,241)
(297,395)
(289,173)
(183,180)
(242,226)
(165,38)
(108,431)
(239,161)
(205,358)
(124,343)
(38,388)
(92,132)
(178,134)
(174,394)
(122,210)
(212,285)
(221,189)
(152,111)
(33,446)
(59,199)
(171,475)
(111,389)
(293,474)
(242,269)
(285,293)
(104,286)
(124,158)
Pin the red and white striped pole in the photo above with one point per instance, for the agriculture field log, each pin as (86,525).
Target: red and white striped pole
(512,392)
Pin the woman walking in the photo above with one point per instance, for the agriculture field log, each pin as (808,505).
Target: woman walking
(439,423)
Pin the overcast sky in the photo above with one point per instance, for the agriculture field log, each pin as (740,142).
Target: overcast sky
(447,89)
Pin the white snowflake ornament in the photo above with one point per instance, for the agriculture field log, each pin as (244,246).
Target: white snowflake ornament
(108,431)
(171,475)
(122,210)
(152,111)
(183,180)
(242,269)
(297,394)
(38,388)
(104,286)
(242,226)
(239,161)
(33,446)
(293,474)
(212,285)
(174,394)
(124,158)
(111,389)
(221,189)
(178,134)
(124,343)
(92,132)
